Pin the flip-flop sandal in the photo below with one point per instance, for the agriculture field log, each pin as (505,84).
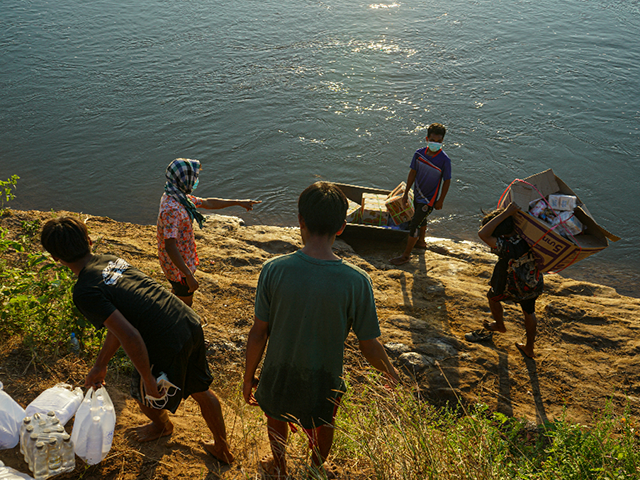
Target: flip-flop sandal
(480,335)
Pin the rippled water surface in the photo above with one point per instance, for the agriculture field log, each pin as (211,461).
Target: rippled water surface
(97,97)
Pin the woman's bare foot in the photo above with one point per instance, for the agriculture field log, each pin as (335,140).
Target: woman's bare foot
(527,352)
(221,452)
(151,431)
(268,464)
(401,260)
(494,326)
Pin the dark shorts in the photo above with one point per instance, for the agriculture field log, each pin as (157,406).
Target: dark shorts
(188,370)
(528,306)
(312,433)
(181,288)
(419,220)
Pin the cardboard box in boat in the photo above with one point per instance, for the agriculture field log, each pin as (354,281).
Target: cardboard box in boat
(398,212)
(553,251)
(354,212)
(374,211)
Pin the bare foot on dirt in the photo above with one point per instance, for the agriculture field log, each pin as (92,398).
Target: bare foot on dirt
(494,326)
(220,452)
(420,245)
(330,469)
(401,260)
(151,431)
(269,467)
(525,351)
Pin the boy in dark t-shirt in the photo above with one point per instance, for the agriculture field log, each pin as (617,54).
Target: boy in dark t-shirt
(515,276)
(159,333)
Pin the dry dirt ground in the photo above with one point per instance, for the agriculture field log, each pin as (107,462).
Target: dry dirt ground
(587,345)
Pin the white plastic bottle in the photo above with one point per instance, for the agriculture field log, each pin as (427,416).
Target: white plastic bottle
(40,462)
(94,441)
(55,455)
(68,455)
(25,429)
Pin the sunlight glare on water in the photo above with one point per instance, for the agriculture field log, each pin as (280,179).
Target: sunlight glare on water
(98,97)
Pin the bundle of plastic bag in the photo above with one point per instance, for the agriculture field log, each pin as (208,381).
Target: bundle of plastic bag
(93,427)
(8,473)
(11,415)
(62,399)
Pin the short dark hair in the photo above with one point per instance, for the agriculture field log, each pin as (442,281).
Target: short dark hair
(323,207)
(437,128)
(66,238)
(505,227)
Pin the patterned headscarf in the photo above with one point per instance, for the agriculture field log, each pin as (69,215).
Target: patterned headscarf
(181,175)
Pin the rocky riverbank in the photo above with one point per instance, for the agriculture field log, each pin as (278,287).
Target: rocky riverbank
(587,346)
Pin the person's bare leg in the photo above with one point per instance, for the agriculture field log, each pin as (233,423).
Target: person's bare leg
(406,255)
(276,466)
(422,241)
(212,414)
(160,425)
(187,300)
(324,443)
(530,324)
(497,312)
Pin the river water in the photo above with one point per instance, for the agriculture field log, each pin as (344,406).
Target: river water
(96,98)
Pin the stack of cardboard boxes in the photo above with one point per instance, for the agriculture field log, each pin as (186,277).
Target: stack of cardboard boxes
(380,209)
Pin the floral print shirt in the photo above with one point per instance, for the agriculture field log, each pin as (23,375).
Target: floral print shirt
(174,222)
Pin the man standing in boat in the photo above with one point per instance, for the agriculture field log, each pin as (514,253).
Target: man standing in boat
(430,175)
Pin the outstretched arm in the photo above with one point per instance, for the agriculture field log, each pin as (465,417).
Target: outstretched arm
(218,203)
(374,352)
(255,349)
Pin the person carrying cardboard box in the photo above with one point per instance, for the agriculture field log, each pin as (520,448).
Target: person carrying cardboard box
(431,171)
(515,277)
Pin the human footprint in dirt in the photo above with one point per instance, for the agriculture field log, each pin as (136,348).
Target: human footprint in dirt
(515,276)
(160,334)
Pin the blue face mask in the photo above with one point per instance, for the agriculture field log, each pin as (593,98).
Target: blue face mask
(195,185)
(434,146)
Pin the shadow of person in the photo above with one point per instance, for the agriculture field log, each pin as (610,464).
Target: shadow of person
(541,415)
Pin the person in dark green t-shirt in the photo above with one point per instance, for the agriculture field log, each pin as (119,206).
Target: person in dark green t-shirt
(306,304)
(159,333)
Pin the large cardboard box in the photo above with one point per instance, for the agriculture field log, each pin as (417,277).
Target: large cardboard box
(374,211)
(398,212)
(553,251)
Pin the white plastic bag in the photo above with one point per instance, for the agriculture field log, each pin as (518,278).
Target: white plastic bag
(11,415)
(8,473)
(93,427)
(63,399)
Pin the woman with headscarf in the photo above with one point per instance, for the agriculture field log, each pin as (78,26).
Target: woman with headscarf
(176,241)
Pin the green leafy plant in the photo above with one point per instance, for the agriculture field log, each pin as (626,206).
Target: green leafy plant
(6,191)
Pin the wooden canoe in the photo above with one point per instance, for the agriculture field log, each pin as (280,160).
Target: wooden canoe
(368,232)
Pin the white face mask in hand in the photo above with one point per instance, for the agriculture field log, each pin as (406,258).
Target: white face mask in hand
(166,388)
